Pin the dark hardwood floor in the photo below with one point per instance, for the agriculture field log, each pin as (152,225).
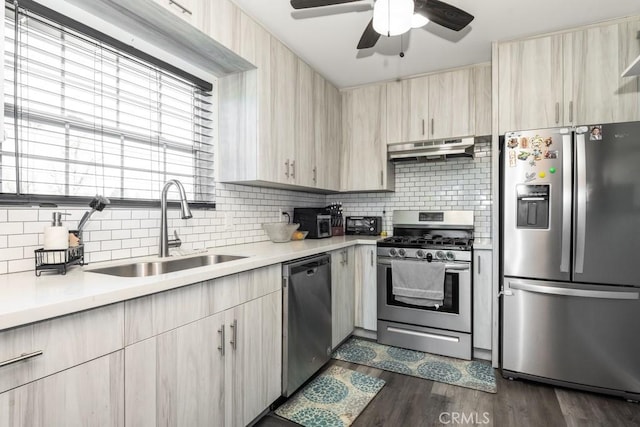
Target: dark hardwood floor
(409,401)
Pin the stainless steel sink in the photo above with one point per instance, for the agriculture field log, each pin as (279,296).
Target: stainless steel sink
(152,268)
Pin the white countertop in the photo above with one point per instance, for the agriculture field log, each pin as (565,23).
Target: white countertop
(25,298)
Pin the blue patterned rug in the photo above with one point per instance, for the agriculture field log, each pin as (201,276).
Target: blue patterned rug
(464,373)
(333,399)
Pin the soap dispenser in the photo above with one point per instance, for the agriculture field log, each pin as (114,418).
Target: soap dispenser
(56,236)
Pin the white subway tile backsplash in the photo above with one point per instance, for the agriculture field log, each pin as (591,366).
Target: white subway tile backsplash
(19,240)
(11,228)
(21,215)
(117,233)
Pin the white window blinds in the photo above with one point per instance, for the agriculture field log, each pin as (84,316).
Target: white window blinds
(82,118)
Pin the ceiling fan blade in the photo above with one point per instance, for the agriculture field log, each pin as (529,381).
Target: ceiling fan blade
(443,14)
(369,37)
(306,4)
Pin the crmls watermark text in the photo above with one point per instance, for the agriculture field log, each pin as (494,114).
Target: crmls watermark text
(464,418)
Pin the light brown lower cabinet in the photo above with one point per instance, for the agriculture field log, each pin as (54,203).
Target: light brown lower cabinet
(89,394)
(222,370)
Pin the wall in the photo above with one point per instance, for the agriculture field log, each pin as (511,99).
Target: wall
(462,183)
(124,233)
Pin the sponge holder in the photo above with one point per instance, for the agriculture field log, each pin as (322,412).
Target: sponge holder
(58,259)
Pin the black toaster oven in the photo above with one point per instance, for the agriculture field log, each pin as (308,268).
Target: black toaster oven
(364,225)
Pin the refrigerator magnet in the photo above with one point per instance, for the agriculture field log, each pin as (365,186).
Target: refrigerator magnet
(523,155)
(512,143)
(528,177)
(524,142)
(512,158)
(595,133)
(551,154)
(548,141)
(552,170)
(537,154)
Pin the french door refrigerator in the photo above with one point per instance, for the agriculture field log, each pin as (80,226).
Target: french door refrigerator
(571,257)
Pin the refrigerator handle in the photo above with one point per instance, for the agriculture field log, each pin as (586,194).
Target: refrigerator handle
(566,203)
(573,292)
(581,205)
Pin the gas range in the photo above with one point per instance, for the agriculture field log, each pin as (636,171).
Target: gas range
(430,236)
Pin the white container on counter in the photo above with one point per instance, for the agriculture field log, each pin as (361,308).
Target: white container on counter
(56,236)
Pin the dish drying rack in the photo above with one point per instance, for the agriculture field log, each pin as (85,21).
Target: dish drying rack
(58,259)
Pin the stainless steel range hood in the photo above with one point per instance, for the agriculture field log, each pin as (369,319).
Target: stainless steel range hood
(430,150)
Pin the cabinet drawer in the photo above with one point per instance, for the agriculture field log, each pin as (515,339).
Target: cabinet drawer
(59,344)
(161,312)
(90,394)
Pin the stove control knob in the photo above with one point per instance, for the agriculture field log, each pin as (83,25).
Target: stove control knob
(429,257)
(440,255)
(393,252)
(450,256)
(420,253)
(402,252)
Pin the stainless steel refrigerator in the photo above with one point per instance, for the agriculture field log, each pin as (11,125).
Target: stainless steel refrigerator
(570,263)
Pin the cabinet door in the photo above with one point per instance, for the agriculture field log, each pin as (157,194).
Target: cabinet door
(530,87)
(184,9)
(364,165)
(482,299)
(90,394)
(342,294)
(328,155)
(320,131)
(594,61)
(302,172)
(220,20)
(177,378)
(482,99)
(451,104)
(284,67)
(366,313)
(254,362)
(416,109)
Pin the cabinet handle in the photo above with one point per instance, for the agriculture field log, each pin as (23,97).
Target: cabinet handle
(346,257)
(571,112)
(221,346)
(557,112)
(182,8)
(287,170)
(293,169)
(234,334)
(479,265)
(23,356)
(381,178)
(422,126)
(433,125)
(372,258)
(315,175)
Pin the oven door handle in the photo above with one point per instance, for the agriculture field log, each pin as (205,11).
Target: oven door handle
(449,268)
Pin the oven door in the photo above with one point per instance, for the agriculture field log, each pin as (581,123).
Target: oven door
(454,314)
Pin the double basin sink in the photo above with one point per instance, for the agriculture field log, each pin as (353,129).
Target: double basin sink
(167,265)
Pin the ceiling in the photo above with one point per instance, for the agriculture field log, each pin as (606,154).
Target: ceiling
(326,38)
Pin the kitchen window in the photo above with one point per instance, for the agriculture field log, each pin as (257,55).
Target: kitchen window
(82,117)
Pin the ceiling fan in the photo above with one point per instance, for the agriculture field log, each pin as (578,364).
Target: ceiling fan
(395,17)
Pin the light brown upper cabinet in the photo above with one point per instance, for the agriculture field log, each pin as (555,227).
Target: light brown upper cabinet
(594,59)
(569,79)
(364,150)
(530,83)
(305,150)
(408,110)
(451,104)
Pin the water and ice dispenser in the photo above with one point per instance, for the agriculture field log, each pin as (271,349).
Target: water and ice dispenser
(533,206)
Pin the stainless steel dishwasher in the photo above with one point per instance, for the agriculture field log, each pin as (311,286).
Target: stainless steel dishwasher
(306,317)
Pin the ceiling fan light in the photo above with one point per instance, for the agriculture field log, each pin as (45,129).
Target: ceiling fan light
(392,17)
(418,21)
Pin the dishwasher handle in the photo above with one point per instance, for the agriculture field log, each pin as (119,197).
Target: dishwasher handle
(309,266)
